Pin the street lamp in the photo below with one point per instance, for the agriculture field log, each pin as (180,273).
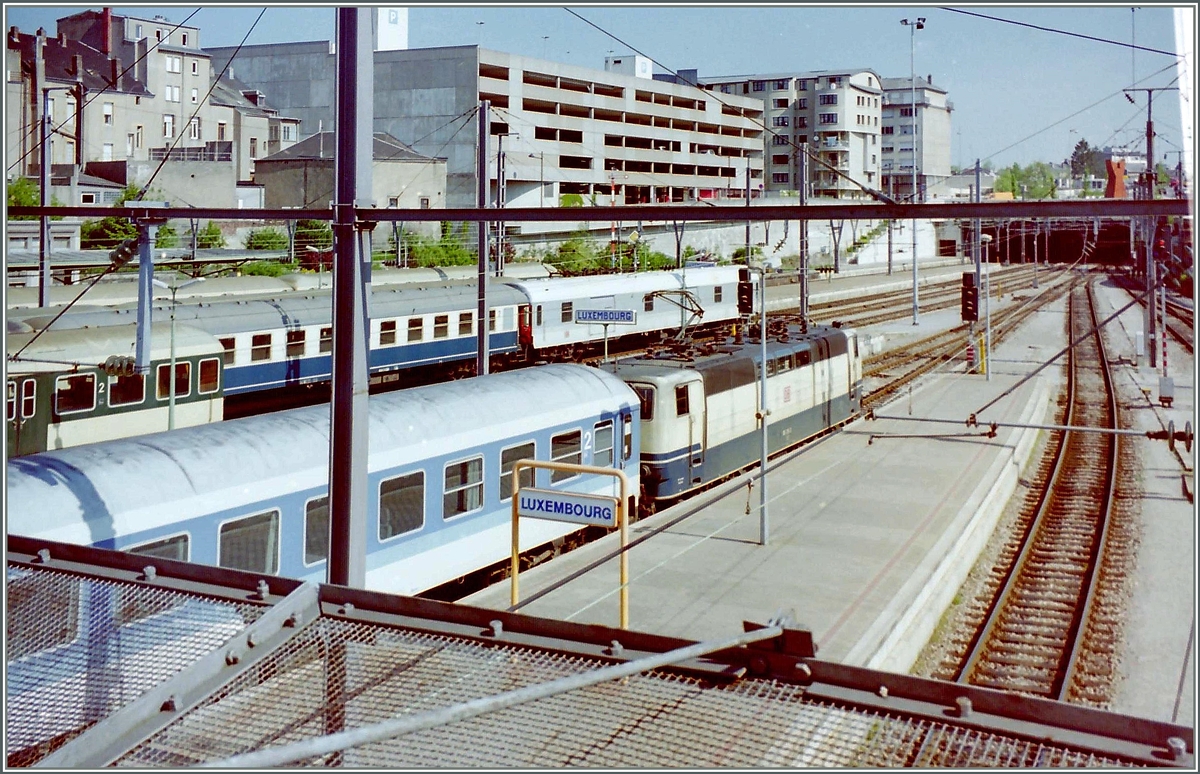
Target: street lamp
(174,290)
(987,308)
(913,26)
(541,157)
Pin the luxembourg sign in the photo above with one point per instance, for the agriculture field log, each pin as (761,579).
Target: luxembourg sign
(606,316)
(554,505)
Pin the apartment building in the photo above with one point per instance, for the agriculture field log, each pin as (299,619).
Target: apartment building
(929,146)
(835,112)
(143,91)
(569,135)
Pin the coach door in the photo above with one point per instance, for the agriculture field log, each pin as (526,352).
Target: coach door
(823,371)
(26,426)
(689,408)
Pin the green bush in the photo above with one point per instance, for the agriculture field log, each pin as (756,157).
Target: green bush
(24,192)
(314,233)
(266,239)
(166,238)
(210,236)
(739,254)
(447,250)
(267,268)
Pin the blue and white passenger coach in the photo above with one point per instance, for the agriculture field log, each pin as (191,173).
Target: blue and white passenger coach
(699,413)
(252,493)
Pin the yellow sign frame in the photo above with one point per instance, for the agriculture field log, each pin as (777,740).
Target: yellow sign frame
(622,521)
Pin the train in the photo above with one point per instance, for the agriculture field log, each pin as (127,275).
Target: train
(252,493)
(276,350)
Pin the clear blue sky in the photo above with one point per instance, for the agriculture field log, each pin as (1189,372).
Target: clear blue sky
(1006,82)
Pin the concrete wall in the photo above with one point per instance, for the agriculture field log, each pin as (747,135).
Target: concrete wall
(297,78)
(184,183)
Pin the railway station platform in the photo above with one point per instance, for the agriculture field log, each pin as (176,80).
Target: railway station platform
(871,530)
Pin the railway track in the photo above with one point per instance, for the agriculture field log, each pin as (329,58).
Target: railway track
(1024,629)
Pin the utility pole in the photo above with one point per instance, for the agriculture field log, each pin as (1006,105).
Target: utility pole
(44,277)
(481,198)
(1150,180)
(802,174)
(913,26)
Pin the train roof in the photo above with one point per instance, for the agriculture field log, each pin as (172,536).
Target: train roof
(236,315)
(92,489)
(594,286)
(723,357)
(91,346)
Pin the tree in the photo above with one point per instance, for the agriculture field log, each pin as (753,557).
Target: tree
(107,233)
(210,236)
(166,237)
(266,239)
(1086,161)
(315,233)
(24,192)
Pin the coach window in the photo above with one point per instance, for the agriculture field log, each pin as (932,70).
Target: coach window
(648,304)
(628,446)
(174,547)
(466,321)
(12,401)
(416,329)
(603,454)
(183,380)
(717,294)
(783,364)
(316,530)
(770,368)
(565,447)
(260,347)
(295,343)
(28,398)
(251,544)
(491,321)
(645,395)
(538,321)
(401,504)
(230,350)
(126,390)
(210,376)
(326,342)
(568,311)
(75,393)
(681,401)
(387,332)
(803,358)
(441,326)
(508,458)
(463,491)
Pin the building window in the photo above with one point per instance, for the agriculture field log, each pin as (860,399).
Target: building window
(781,84)
(168,126)
(803,104)
(195,67)
(220,130)
(253,147)
(137,32)
(907,112)
(108,113)
(780,103)
(760,85)
(289,132)
(888,130)
(779,139)
(87,198)
(424,203)
(779,121)
(829,118)
(779,177)
(183,38)
(137,137)
(780,158)
(158,35)
(195,96)
(801,139)
(726,88)
(801,122)
(174,64)
(106,152)
(194,129)
(828,99)
(835,81)
(273,133)
(802,85)
(873,159)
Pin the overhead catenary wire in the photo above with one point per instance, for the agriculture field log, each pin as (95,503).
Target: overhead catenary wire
(1062,32)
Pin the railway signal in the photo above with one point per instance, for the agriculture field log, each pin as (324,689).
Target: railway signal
(970,298)
(745,293)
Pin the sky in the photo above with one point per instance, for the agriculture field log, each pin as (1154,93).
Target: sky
(1019,94)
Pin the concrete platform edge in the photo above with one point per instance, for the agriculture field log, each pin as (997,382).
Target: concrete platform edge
(894,641)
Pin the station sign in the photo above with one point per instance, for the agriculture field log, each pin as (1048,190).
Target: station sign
(606,316)
(552,505)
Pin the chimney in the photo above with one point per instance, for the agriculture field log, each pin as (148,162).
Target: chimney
(77,65)
(14,36)
(116,71)
(930,79)
(106,34)
(62,39)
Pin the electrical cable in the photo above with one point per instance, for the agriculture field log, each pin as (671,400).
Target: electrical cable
(1062,32)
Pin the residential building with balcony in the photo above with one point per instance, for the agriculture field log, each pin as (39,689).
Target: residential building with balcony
(929,146)
(835,112)
(569,134)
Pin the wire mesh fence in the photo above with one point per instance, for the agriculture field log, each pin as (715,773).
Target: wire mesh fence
(80,648)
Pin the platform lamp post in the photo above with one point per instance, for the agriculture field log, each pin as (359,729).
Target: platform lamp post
(987,308)
(913,26)
(174,290)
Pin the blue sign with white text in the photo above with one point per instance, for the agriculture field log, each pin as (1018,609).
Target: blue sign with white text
(605,316)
